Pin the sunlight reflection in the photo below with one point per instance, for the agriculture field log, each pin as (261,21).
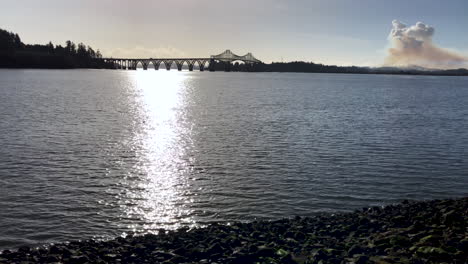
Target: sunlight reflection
(157,196)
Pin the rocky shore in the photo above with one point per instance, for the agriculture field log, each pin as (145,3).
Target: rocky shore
(409,232)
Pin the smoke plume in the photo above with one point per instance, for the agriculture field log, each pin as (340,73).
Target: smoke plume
(413,46)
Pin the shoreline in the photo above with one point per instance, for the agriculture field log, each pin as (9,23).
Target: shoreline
(432,231)
(399,73)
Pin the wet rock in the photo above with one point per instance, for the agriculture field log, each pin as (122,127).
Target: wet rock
(78,259)
(24,249)
(355,250)
(432,252)
(52,259)
(453,218)
(400,241)
(414,232)
(362,259)
(265,251)
(431,240)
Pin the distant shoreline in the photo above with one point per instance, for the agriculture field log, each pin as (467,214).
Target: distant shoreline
(18,55)
(415,73)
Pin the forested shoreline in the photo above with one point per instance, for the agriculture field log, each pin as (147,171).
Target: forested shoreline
(16,54)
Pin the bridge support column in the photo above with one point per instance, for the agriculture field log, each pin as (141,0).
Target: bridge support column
(211,66)
(179,65)
(168,65)
(190,65)
(227,66)
(156,65)
(145,65)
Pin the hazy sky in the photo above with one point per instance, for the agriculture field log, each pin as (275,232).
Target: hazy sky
(339,32)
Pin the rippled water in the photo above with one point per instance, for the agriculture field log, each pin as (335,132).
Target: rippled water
(89,153)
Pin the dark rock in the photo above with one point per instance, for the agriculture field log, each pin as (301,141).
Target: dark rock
(177,259)
(78,259)
(265,251)
(216,248)
(24,249)
(287,259)
(355,250)
(430,240)
(463,245)
(400,241)
(51,259)
(362,259)
(241,259)
(162,255)
(453,218)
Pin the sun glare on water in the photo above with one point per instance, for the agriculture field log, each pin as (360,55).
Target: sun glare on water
(160,196)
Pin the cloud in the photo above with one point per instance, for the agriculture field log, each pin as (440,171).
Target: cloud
(413,46)
(143,52)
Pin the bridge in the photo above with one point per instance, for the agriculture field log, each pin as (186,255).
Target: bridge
(227,58)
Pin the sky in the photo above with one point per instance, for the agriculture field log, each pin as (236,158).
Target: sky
(340,32)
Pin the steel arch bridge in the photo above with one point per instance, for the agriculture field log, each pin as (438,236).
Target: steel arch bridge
(227,58)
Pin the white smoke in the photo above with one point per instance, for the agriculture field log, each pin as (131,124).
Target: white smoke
(412,46)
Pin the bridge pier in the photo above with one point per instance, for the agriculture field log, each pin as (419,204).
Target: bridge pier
(168,65)
(156,64)
(132,65)
(190,65)
(227,66)
(179,65)
(211,66)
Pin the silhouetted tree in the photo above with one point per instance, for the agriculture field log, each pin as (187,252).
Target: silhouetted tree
(81,51)
(91,52)
(50,47)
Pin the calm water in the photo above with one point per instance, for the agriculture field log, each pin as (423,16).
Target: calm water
(99,153)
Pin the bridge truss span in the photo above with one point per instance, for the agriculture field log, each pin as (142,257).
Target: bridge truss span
(227,58)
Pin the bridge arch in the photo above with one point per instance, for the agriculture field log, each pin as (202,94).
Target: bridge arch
(201,64)
(156,64)
(168,64)
(150,64)
(138,64)
(144,64)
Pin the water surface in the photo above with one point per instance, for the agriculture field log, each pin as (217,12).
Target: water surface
(100,153)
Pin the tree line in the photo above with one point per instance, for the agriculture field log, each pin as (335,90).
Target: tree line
(310,67)
(15,54)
